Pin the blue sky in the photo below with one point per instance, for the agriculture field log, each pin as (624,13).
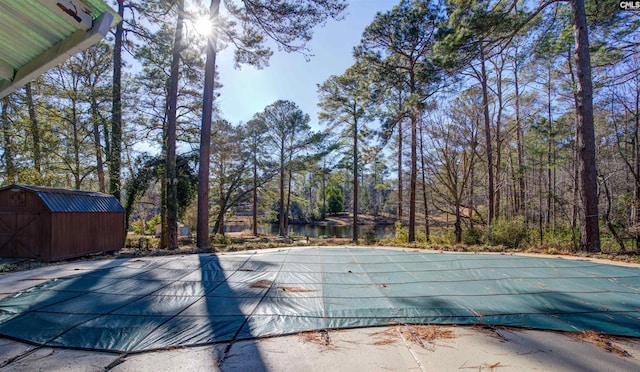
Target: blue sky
(289,76)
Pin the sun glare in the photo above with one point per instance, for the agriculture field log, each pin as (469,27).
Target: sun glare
(203,25)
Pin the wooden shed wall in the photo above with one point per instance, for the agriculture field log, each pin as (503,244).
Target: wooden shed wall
(25,224)
(28,229)
(76,234)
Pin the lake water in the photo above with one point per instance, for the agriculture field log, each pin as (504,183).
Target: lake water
(314,231)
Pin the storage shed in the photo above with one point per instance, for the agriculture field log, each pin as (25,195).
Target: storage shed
(53,224)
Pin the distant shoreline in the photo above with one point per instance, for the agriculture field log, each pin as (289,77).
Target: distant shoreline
(337,220)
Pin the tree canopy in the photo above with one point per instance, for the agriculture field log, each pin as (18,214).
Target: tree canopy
(479,118)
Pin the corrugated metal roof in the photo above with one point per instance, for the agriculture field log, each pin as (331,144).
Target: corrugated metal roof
(45,31)
(65,200)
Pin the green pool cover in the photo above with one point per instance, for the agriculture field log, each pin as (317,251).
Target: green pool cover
(156,303)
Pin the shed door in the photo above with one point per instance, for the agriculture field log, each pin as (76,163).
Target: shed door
(19,232)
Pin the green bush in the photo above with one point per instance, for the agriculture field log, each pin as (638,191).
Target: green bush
(510,233)
(421,237)
(138,226)
(473,236)
(219,239)
(142,242)
(444,237)
(560,237)
(154,243)
(131,241)
(402,235)
(152,223)
(5,268)
(370,237)
(335,199)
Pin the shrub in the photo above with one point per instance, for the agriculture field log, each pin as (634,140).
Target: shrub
(473,236)
(421,237)
(560,237)
(154,243)
(370,237)
(152,223)
(142,242)
(5,268)
(138,226)
(510,233)
(335,199)
(402,235)
(445,237)
(219,239)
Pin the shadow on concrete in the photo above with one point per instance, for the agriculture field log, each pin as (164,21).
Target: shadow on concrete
(139,305)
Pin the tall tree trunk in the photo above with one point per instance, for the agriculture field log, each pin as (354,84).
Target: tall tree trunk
(107,142)
(414,161)
(324,190)
(218,225)
(97,144)
(222,204)
(550,147)
(424,186)
(76,144)
(540,200)
(164,241)
(311,199)
(487,135)
(575,207)
(376,196)
(281,227)
(634,164)
(162,174)
(607,216)
(414,176)
(458,223)
(116,109)
(172,204)
(474,149)
(288,209)
(400,191)
(590,232)
(355,180)
(554,184)
(35,132)
(205,133)
(636,161)
(519,146)
(10,168)
(221,224)
(499,140)
(255,195)
(513,187)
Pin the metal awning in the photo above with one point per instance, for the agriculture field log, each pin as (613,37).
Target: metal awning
(36,35)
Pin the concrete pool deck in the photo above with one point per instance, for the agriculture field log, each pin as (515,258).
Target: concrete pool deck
(365,349)
(397,347)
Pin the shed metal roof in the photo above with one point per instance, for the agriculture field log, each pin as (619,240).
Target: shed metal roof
(37,35)
(65,200)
